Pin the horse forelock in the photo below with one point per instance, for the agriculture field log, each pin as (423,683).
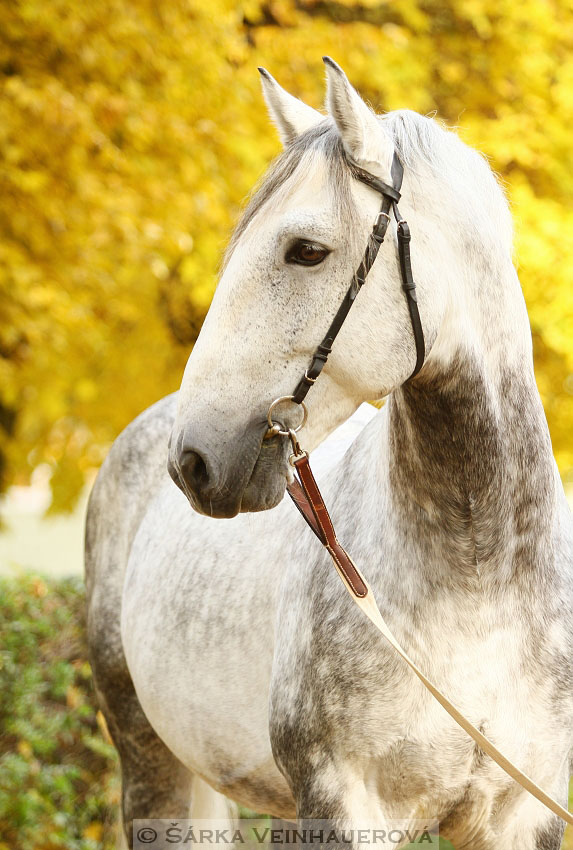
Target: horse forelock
(321,142)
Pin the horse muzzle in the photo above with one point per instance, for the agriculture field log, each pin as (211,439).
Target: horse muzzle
(224,478)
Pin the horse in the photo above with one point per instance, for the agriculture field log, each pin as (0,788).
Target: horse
(228,659)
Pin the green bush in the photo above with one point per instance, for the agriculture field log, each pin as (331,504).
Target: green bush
(59,784)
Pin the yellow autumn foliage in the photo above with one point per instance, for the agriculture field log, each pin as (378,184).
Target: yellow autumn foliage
(131,132)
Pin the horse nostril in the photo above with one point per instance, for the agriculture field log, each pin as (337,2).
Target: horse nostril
(193,471)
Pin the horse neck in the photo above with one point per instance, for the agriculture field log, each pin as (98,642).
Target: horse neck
(471,472)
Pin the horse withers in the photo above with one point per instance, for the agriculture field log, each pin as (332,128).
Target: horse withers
(228,658)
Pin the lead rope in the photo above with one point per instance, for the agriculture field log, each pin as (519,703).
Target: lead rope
(308,499)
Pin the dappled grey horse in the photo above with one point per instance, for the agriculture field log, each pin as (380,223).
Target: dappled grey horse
(227,655)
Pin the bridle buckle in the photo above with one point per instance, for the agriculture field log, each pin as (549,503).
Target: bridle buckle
(380,215)
(380,226)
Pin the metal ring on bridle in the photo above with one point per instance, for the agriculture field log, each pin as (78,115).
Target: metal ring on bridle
(273,425)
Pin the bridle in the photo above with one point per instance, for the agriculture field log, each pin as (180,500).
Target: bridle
(390,197)
(304,490)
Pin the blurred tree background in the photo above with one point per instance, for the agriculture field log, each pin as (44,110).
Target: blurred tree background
(131,132)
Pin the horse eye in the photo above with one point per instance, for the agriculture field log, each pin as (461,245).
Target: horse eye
(306,254)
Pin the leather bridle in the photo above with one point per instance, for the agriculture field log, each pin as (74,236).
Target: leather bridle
(304,490)
(390,197)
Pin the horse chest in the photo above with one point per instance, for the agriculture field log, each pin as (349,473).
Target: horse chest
(348,696)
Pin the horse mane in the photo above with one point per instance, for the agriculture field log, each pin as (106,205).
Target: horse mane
(417,138)
(425,144)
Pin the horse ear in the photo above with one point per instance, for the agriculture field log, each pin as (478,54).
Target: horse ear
(364,139)
(289,114)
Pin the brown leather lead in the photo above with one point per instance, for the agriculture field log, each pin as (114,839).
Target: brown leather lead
(308,499)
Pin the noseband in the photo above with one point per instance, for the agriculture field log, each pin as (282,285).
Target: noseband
(390,197)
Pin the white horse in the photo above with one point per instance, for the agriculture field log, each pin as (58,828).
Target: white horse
(227,654)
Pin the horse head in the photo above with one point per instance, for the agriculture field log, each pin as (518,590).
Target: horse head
(288,266)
